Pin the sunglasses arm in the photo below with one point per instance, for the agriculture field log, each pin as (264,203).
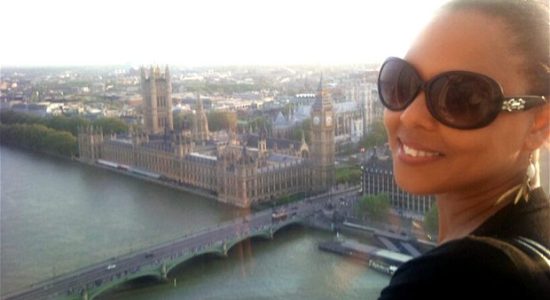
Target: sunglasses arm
(520,103)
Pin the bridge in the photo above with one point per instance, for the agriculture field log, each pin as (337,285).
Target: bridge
(158,261)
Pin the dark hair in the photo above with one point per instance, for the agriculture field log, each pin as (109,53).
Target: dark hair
(528,21)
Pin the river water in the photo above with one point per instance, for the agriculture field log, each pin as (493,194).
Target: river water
(57,216)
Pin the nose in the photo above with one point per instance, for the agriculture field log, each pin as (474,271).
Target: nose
(417,115)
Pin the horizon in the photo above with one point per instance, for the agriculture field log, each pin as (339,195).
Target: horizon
(182,66)
(64,33)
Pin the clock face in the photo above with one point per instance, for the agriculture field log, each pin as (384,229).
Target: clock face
(329,120)
(316,120)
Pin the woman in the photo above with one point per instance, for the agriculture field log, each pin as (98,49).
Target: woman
(466,111)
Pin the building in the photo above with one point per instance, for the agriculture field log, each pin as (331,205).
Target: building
(238,170)
(378,178)
(364,92)
(156,90)
(41,109)
(322,141)
(200,125)
(356,113)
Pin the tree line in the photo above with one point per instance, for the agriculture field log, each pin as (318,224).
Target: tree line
(37,137)
(64,123)
(54,135)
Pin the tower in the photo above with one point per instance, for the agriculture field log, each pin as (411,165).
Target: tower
(322,141)
(200,126)
(90,143)
(246,177)
(262,143)
(156,90)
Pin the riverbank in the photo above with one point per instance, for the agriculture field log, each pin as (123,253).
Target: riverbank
(381,260)
(381,250)
(161,182)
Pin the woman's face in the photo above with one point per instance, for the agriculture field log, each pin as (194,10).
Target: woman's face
(430,158)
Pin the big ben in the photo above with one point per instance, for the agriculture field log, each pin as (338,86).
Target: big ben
(322,141)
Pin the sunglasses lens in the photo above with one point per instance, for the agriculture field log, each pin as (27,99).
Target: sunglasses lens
(463,100)
(398,84)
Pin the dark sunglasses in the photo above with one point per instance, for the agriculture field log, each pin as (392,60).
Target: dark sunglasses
(457,99)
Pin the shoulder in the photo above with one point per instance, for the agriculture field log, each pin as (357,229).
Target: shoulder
(469,268)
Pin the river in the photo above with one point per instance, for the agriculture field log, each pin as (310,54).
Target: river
(58,215)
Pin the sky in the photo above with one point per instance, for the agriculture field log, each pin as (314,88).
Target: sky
(208,32)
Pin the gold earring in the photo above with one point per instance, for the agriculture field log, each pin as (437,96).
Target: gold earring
(524,188)
(528,183)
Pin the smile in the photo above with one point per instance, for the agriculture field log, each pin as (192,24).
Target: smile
(418,153)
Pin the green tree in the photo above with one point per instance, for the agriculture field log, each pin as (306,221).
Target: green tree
(431,220)
(348,175)
(40,138)
(218,120)
(376,207)
(111,125)
(64,123)
(11,117)
(304,127)
(259,123)
(377,136)
(178,118)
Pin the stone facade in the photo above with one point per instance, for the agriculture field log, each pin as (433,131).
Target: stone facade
(239,170)
(156,90)
(322,142)
(200,125)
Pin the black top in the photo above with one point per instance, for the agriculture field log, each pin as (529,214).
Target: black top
(480,266)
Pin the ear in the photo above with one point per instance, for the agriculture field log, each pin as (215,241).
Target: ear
(539,132)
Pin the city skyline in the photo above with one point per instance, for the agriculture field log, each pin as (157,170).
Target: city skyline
(213,32)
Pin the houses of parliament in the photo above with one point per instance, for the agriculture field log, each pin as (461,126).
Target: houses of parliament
(240,170)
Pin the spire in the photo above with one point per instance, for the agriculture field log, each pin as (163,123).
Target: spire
(199,103)
(322,99)
(263,133)
(168,78)
(167,72)
(143,76)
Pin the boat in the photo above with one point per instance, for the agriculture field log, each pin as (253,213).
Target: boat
(382,267)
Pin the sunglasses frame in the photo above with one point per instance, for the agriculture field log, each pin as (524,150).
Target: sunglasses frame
(503,103)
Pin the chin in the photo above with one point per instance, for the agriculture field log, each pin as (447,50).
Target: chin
(414,184)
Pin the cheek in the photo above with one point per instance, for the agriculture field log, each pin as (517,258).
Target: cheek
(485,154)
(502,138)
(391,122)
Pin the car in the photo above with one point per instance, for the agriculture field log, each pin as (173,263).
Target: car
(149,255)
(111,266)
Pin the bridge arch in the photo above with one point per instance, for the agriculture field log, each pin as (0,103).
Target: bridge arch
(109,286)
(221,249)
(176,263)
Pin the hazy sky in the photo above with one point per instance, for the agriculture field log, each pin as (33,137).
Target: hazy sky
(208,32)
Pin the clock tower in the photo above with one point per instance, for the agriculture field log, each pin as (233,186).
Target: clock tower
(322,141)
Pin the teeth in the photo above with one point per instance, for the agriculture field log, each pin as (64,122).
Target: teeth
(418,153)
